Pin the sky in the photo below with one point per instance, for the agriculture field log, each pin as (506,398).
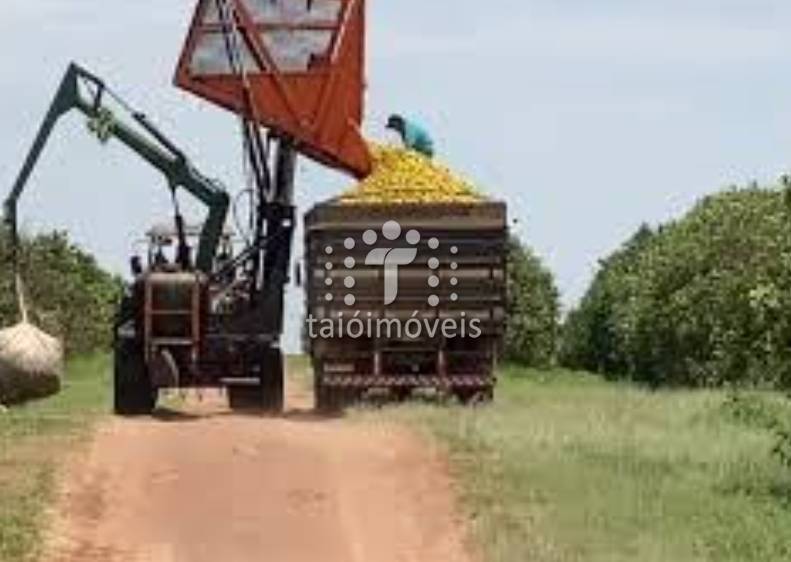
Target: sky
(587,118)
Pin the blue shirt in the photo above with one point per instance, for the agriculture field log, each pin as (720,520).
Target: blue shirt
(417,138)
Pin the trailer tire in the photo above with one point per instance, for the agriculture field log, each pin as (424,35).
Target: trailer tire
(402,393)
(323,397)
(475,396)
(133,394)
(330,400)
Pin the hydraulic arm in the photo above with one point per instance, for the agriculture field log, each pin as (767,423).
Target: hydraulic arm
(85,92)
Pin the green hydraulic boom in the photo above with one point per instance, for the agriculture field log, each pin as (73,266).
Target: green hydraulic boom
(85,92)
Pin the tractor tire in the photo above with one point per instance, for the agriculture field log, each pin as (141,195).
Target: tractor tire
(265,395)
(273,382)
(133,394)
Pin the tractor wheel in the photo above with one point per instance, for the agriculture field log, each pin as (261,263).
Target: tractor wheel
(265,395)
(132,391)
(273,382)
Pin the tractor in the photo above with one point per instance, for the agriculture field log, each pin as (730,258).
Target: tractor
(210,314)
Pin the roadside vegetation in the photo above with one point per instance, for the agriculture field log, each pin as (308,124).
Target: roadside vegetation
(568,467)
(34,440)
(532,334)
(701,301)
(679,446)
(69,295)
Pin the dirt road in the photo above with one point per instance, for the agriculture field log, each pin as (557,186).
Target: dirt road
(220,487)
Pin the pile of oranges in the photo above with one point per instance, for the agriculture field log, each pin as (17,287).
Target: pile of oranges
(405,176)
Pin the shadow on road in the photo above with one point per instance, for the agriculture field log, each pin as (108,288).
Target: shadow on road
(299,405)
(168,414)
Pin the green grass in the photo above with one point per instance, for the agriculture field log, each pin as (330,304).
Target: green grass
(568,467)
(298,369)
(563,467)
(33,439)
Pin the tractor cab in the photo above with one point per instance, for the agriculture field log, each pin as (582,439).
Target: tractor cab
(165,252)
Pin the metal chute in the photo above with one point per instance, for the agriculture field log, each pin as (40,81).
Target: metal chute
(297,69)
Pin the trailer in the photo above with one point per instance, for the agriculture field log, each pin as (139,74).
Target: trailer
(443,328)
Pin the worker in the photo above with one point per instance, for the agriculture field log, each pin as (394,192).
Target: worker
(136,265)
(414,136)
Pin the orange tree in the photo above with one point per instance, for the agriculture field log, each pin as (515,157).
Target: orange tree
(69,295)
(701,301)
(533,309)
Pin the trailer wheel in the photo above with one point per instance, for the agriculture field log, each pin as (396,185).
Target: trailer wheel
(402,393)
(324,398)
(320,392)
(133,394)
(475,396)
(331,399)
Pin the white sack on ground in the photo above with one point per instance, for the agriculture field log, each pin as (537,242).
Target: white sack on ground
(31,364)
